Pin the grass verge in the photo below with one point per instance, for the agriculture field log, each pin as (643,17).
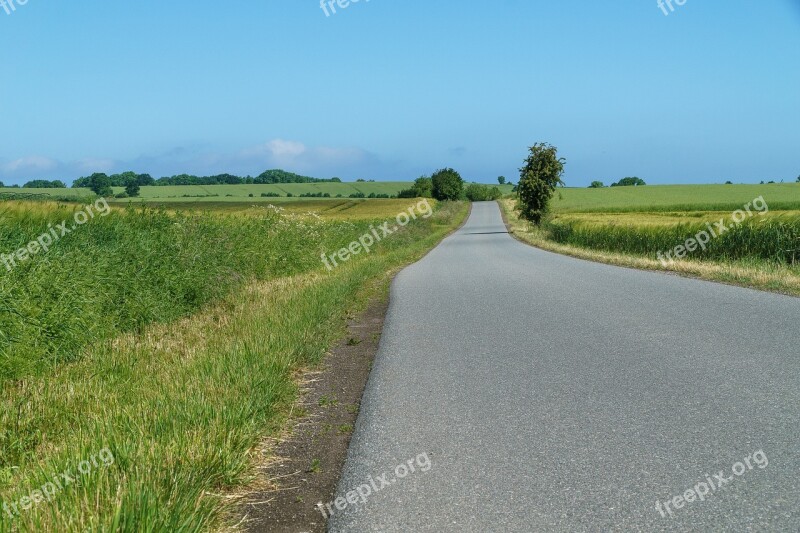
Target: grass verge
(125,269)
(180,405)
(747,272)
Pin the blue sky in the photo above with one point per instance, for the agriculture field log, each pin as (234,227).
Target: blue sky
(390,89)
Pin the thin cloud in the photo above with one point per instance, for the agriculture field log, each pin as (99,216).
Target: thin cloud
(30,164)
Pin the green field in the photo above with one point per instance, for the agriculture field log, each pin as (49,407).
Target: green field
(650,198)
(640,226)
(239,193)
(651,220)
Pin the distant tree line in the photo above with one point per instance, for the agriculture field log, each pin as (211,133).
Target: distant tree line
(144,180)
(44,184)
(624,182)
(447,184)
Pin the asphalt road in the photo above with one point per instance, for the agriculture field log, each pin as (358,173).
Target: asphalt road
(544,393)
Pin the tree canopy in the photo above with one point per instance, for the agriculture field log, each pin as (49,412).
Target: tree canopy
(629,182)
(538,180)
(447,184)
(44,184)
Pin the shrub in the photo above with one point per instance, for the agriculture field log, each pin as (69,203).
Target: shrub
(447,184)
(423,187)
(596,185)
(477,192)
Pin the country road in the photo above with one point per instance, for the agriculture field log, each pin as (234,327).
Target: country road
(555,394)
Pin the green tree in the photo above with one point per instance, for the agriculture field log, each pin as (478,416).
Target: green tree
(477,192)
(501,180)
(100,184)
(538,180)
(798,179)
(596,185)
(132,186)
(423,186)
(145,180)
(447,184)
(45,184)
(629,182)
(123,179)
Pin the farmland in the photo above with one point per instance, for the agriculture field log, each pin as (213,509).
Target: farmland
(237,193)
(325,208)
(230,304)
(676,198)
(639,226)
(230,299)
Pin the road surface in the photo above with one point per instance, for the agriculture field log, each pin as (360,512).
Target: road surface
(536,392)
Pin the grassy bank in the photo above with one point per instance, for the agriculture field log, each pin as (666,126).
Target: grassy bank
(757,254)
(180,404)
(120,272)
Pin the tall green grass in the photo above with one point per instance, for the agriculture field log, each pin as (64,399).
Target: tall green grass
(181,405)
(775,239)
(131,268)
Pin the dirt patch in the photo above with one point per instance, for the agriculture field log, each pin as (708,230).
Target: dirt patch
(309,461)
